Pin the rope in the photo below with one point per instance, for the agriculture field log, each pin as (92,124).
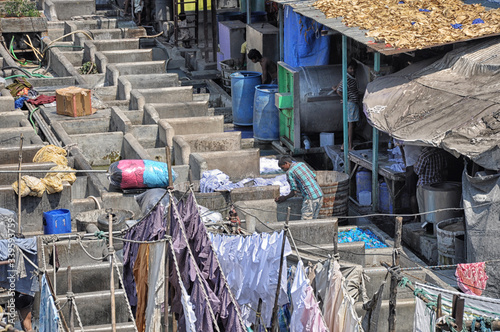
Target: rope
(198,273)
(100,259)
(258,315)
(129,309)
(236,305)
(71,297)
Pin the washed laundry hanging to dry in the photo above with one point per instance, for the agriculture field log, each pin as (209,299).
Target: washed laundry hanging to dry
(414,23)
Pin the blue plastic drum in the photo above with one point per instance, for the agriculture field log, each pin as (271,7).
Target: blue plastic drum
(363,181)
(384,201)
(243,85)
(266,120)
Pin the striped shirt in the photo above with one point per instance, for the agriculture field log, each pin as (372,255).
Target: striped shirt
(430,166)
(302,179)
(352,89)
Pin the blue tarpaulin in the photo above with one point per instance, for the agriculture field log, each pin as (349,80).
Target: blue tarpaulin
(357,234)
(303,44)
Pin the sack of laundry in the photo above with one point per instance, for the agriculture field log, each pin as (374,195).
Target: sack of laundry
(138,173)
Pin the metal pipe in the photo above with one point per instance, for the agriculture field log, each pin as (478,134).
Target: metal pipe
(344,104)
(49,171)
(376,67)
(111,251)
(55,269)
(249,12)
(19,184)
(215,28)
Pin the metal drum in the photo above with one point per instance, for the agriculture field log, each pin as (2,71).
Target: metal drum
(442,195)
(450,247)
(243,85)
(266,119)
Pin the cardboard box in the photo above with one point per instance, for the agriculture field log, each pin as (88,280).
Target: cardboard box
(74,101)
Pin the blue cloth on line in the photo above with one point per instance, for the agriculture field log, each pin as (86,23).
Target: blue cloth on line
(21,270)
(49,317)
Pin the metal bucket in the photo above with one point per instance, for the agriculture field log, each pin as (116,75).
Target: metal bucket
(227,67)
(335,187)
(450,249)
(442,195)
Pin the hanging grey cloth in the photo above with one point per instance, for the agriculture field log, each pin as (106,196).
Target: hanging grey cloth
(372,307)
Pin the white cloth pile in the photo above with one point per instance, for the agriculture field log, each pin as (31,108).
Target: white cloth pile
(269,166)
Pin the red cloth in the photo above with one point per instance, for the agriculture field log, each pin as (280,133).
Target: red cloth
(471,278)
(132,173)
(42,99)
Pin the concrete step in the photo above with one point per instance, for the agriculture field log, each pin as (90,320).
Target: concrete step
(85,278)
(124,327)
(147,135)
(157,154)
(70,252)
(95,307)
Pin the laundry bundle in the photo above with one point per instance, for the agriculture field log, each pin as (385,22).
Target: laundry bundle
(138,173)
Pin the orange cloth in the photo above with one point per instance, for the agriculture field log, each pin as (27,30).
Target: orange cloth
(471,278)
(141,269)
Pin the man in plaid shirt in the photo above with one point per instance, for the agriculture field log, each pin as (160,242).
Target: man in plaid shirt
(302,179)
(429,168)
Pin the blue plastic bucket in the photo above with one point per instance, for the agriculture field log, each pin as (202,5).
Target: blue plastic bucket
(363,182)
(266,121)
(384,199)
(57,222)
(243,85)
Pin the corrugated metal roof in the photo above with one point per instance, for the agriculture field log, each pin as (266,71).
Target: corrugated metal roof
(306,8)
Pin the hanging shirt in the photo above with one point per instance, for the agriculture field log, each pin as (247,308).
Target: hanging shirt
(141,267)
(156,283)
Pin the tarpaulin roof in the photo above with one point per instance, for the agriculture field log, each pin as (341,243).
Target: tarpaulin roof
(452,103)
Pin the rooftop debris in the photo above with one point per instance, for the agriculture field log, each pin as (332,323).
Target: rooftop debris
(414,23)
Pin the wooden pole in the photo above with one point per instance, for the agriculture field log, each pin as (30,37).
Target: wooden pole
(274,317)
(55,269)
(258,315)
(439,310)
(336,239)
(19,184)
(70,301)
(167,244)
(111,251)
(394,277)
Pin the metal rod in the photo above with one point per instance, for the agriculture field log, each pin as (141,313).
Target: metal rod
(376,67)
(70,301)
(205,27)
(394,278)
(19,184)
(49,171)
(249,13)
(111,251)
(344,104)
(215,28)
(274,318)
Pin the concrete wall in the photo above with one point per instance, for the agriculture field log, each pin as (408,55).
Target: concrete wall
(139,97)
(115,70)
(64,10)
(103,58)
(187,126)
(93,46)
(126,83)
(153,112)
(236,164)
(184,145)
(264,38)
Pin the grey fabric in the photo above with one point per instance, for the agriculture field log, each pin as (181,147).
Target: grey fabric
(355,281)
(372,307)
(8,223)
(451,103)
(481,195)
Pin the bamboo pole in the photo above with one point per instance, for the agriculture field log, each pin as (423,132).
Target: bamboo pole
(54,262)
(70,301)
(394,278)
(111,251)
(274,318)
(167,245)
(19,184)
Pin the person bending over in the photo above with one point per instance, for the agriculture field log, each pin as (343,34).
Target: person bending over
(269,67)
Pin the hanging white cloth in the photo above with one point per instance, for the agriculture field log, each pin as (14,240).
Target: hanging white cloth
(251,266)
(156,282)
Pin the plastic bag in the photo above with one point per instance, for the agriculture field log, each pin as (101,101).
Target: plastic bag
(137,173)
(150,197)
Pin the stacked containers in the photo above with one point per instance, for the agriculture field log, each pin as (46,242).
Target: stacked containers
(265,113)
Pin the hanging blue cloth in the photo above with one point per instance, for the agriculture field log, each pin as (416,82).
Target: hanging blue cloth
(49,318)
(303,44)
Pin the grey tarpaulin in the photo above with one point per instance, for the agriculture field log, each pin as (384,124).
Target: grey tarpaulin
(452,103)
(481,195)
